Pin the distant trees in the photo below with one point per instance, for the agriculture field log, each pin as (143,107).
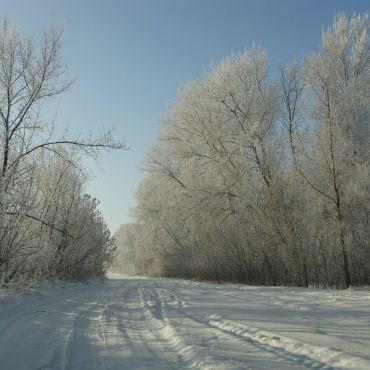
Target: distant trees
(49,227)
(125,238)
(263,180)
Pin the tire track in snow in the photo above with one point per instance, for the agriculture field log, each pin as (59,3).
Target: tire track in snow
(132,340)
(265,341)
(35,334)
(145,324)
(153,313)
(80,353)
(192,355)
(328,357)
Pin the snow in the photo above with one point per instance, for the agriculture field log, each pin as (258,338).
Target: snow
(140,323)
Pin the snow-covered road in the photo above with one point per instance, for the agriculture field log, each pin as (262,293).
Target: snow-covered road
(137,323)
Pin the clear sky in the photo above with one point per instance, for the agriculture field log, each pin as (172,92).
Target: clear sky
(130,57)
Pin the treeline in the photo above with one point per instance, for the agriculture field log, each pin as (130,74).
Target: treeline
(264,180)
(49,227)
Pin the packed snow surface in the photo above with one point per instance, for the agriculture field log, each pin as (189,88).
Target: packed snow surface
(138,323)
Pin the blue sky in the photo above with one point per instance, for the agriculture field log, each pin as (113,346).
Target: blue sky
(130,57)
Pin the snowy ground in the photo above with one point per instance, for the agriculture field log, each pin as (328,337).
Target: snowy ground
(141,323)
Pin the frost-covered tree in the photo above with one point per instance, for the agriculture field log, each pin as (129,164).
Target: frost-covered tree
(31,75)
(338,78)
(265,180)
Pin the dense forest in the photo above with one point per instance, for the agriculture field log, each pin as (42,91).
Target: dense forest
(262,178)
(49,227)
